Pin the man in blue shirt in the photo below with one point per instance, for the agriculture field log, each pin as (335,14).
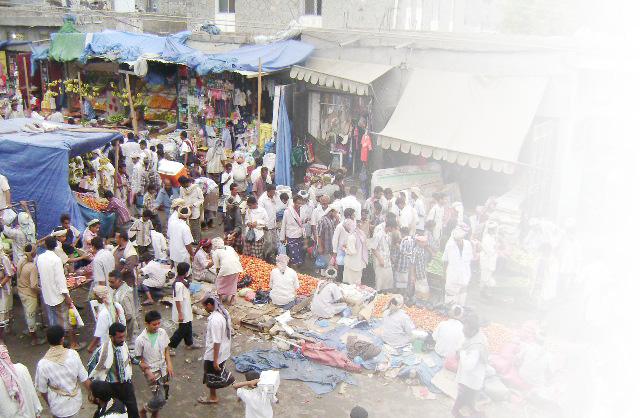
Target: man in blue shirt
(163,201)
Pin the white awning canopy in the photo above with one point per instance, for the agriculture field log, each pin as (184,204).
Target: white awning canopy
(469,119)
(349,76)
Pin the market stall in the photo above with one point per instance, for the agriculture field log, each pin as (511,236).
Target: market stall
(340,98)
(36,164)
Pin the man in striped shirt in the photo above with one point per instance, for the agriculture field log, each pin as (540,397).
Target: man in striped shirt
(118,206)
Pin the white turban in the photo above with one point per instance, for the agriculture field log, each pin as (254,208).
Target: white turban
(459,233)
(177,202)
(27,226)
(217,243)
(185,213)
(282,261)
(59,233)
(102,292)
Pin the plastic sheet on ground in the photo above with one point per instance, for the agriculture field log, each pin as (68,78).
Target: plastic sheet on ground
(424,372)
(321,379)
(329,356)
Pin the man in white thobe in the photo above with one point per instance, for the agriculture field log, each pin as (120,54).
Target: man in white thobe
(457,259)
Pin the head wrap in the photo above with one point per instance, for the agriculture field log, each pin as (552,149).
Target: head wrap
(349,225)
(217,243)
(282,261)
(219,307)
(102,292)
(9,377)
(59,232)
(458,233)
(93,222)
(330,208)
(303,194)
(204,243)
(185,213)
(177,202)
(27,226)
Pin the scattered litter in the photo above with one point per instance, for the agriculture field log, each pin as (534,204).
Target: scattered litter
(342,388)
(421,392)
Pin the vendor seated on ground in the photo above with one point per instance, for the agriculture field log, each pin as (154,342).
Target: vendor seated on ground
(154,278)
(328,299)
(203,262)
(283,283)
(397,327)
(448,334)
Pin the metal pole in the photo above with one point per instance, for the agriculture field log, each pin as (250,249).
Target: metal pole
(259,96)
(26,80)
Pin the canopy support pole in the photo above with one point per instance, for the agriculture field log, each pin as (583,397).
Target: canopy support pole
(26,81)
(117,158)
(80,94)
(132,110)
(259,96)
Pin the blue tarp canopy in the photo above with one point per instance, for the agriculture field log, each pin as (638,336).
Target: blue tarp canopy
(274,57)
(37,167)
(5,44)
(128,46)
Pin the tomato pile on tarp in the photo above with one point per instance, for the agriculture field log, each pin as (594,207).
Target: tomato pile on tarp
(260,272)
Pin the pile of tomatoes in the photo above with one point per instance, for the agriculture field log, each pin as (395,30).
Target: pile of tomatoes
(260,272)
(497,335)
(98,204)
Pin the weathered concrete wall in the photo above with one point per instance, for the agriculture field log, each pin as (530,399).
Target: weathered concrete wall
(265,17)
(357,14)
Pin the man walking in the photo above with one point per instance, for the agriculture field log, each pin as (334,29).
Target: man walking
(59,375)
(54,289)
(111,363)
(218,345)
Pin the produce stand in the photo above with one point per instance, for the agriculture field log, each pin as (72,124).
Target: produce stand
(75,282)
(260,273)
(497,335)
(92,207)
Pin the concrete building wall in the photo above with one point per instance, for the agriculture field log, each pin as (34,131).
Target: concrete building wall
(266,17)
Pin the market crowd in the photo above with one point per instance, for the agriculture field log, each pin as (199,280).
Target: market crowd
(386,240)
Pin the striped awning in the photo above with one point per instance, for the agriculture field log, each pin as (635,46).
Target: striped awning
(348,76)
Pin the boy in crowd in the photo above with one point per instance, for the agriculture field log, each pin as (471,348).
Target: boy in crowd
(257,404)
(152,350)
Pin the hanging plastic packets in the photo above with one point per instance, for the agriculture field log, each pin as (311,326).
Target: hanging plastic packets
(266,134)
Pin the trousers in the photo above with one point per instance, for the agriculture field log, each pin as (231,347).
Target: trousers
(184,332)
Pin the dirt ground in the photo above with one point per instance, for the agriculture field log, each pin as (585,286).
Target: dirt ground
(381,397)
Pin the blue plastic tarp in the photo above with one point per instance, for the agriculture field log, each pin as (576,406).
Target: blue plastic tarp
(38,53)
(5,44)
(107,220)
(37,167)
(320,378)
(200,62)
(274,57)
(128,46)
(283,145)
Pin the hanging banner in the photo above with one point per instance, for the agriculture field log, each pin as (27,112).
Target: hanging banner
(4,72)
